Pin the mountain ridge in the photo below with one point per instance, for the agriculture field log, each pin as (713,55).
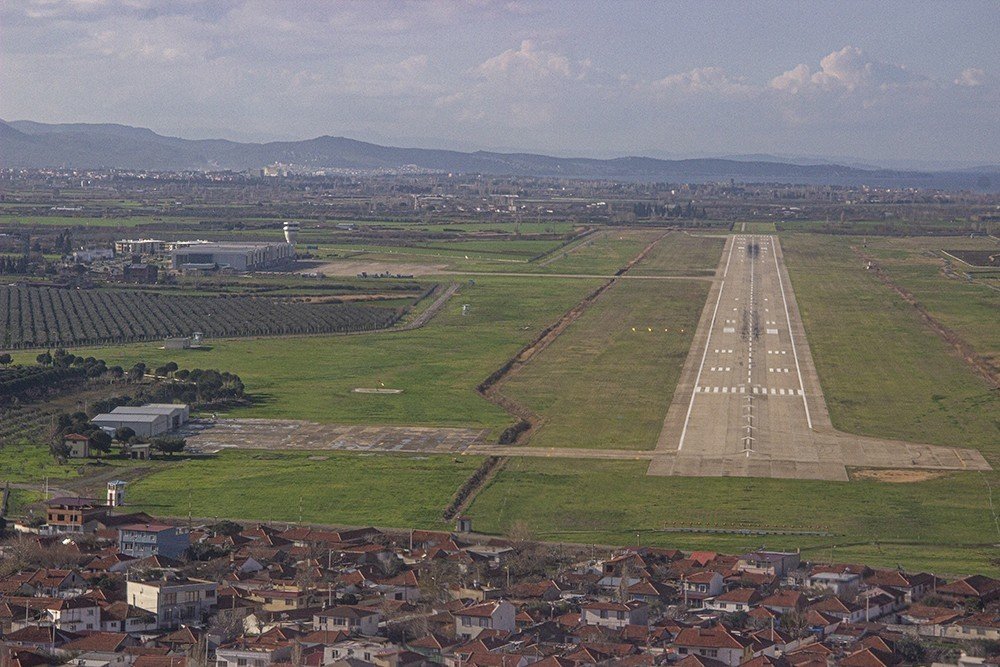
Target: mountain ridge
(29,144)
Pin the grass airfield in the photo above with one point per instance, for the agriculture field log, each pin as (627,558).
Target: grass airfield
(883,373)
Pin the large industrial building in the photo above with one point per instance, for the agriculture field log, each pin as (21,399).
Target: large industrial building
(235,256)
(148,421)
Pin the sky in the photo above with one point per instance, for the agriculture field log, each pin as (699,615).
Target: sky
(880,82)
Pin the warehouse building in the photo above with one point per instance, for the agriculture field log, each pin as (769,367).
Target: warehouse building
(148,421)
(234,256)
(177,413)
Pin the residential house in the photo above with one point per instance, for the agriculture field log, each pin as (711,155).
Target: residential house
(71,515)
(699,586)
(614,615)
(74,614)
(784,601)
(54,583)
(120,616)
(914,586)
(494,615)
(847,612)
(717,643)
(977,588)
(367,650)
(841,584)
(984,626)
(350,619)
(141,540)
(279,599)
(173,599)
(736,600)
(778,563)
(77,446)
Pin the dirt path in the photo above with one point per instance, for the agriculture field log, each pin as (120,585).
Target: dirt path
(432,310)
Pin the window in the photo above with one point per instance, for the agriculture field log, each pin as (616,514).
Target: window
(241,662)
(466,621)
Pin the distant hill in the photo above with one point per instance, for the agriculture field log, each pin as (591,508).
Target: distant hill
(27,144)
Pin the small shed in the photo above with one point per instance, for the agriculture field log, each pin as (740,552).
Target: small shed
(138,451)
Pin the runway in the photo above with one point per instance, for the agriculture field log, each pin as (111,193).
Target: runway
(749,402)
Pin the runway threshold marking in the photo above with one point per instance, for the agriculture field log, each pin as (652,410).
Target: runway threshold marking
(791,338)
(711,325)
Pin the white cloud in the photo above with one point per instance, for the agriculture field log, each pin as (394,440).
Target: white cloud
(530,61)
(700,80)
(971,77)
(848,69)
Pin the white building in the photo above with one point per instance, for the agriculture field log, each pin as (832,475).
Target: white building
(173,599)
(495,615)
(235,256)
(614,615)
(353,620)
(74,614)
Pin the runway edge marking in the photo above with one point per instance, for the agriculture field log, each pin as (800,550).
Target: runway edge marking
(708,340)
(791,336)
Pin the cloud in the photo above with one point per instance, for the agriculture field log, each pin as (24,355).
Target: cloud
(530,61)
(700,80)
(848,69)
(971,77)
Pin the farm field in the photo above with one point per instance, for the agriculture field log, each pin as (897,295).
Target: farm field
(907,385)
(607,380)
(40,317)
(385,490)
(437,366)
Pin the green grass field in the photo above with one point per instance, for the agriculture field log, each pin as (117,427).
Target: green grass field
(437,366)
(681,254)
(610,251)
(968,308)
(604,502)
(601,385)
(607,381)
(350,489)
(883,374)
